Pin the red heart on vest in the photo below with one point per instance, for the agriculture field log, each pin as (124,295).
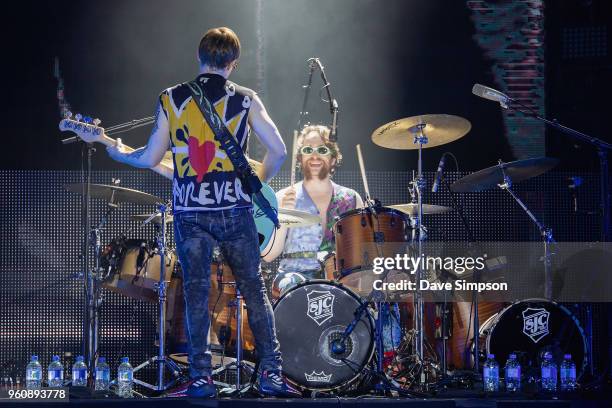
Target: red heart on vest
(200,156)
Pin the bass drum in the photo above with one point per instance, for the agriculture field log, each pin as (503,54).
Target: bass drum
(309,317)
(531,328)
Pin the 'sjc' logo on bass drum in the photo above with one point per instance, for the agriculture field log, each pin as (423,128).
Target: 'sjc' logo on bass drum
(320,306)
(535,323)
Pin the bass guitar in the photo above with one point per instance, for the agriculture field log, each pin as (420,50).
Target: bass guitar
(90,132)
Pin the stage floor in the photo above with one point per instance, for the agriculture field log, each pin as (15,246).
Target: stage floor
(378,402)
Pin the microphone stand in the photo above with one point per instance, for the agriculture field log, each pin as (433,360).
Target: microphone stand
(312,65)
(333,104)
(477,275)
(602,152)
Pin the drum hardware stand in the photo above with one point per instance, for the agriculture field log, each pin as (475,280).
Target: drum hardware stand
(545,232)
(161,359)
(602,152)
(238,364)
(477,275)
(338,346)
(419,184)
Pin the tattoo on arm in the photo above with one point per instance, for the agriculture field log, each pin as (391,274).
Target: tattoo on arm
(133,158)
(136,154)
(157,113)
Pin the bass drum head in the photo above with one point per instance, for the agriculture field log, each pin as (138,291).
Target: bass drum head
(308,318)
(533,327)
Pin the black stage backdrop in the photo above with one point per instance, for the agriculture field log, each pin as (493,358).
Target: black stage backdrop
(385,60)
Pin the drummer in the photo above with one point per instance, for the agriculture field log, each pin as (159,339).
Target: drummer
(302,249)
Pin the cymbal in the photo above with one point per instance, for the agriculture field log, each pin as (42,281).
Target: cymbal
(411,209)
(296,218)
(492,176)
(115,194)
(155,220)
(439,129)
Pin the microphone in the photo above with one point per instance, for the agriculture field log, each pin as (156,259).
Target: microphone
(439,172)
(333,135)
(338,346)
(491,94)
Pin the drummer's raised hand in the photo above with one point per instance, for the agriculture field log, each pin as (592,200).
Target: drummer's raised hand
(288,200)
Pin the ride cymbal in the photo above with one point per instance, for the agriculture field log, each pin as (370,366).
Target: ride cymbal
(438,128)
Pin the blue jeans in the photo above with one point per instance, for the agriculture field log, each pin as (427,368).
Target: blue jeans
(196,234)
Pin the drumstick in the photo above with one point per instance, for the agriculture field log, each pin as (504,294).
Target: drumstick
(363,174)
(293,156)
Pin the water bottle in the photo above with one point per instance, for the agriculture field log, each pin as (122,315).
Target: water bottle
(513,374)
(79,373)
(491,374)
(568,374)
(102,375)
(549,373)
(55,373)
(125,378)
(33,374)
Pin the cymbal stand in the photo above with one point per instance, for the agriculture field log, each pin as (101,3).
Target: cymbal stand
(93,275)
(161,359)
(419,137)
(545,232)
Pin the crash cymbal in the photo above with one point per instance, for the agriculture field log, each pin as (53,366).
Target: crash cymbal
(412,208)
(492,176)
(154,220)
(296,218)
(115,194)
(439,129)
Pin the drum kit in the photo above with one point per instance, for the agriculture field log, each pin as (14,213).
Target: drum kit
(330,330)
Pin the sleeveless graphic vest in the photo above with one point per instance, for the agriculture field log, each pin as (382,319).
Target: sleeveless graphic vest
(204,177)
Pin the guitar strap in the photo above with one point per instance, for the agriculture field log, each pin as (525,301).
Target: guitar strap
(251,183)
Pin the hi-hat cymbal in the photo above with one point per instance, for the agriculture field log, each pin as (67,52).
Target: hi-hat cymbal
(492,176)
(411,209)
(296,218)
(115,194)
(154,220)
(438,128)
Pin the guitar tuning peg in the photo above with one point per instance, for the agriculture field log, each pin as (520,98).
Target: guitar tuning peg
(96,121)
(78,117)
(87,119)
(67,115)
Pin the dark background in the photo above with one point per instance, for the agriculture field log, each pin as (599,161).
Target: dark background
(385,60)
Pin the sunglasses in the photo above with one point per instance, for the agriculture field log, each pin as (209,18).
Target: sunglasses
(321,150)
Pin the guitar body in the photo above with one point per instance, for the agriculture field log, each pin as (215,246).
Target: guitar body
(265,227)
(91,133)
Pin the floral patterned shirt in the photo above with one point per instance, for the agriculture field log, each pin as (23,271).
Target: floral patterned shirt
(314,238)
